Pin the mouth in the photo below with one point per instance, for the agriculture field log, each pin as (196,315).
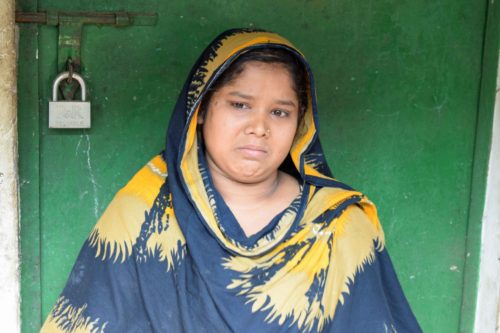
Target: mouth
(253,150)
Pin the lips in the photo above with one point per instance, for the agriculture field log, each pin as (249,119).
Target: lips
(253,150)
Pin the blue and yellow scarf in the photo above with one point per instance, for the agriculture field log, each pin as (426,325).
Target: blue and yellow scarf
(167,255)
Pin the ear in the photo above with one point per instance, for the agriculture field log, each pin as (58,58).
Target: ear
(200,117)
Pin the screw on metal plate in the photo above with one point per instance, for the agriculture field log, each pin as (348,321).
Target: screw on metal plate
(69,114)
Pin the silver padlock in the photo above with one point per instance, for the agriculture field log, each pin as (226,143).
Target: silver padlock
(69,114)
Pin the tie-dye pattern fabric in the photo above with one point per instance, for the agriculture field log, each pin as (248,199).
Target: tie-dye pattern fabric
(168,255)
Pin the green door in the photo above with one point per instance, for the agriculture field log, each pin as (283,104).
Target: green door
(399,89)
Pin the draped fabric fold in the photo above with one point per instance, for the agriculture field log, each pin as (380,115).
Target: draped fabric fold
(167,255)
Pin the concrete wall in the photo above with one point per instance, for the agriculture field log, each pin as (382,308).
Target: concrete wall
(488,304)
(9,216)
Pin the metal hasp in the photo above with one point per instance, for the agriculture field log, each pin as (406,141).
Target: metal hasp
(70,34)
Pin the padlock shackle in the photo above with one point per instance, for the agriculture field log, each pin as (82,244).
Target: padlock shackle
(65,75)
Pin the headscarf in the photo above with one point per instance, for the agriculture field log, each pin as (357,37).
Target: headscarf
(168,255)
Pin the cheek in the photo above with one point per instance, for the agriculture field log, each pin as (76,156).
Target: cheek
(216,134)
(223,125)
(284,139)
(287,133)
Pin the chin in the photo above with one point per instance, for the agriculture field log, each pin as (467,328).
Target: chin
(250,177)
(246,178)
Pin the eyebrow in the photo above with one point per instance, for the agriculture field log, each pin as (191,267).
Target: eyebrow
(238,94)
(249,97)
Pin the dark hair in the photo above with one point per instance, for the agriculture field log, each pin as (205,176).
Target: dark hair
(268,55)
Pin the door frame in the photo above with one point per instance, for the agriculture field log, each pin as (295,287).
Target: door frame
(9,196)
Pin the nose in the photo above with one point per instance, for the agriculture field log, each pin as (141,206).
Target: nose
(257,125)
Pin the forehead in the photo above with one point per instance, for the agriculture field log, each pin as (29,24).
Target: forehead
(261,65)
(255,71)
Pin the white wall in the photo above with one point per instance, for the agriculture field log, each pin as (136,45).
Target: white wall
(9,217)
(488,302)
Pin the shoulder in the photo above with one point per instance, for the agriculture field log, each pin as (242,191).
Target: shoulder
(120,224)
(358,228)
(145,183)
(349,213)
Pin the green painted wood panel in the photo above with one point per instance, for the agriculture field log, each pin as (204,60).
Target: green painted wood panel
(398,88)
(29,168)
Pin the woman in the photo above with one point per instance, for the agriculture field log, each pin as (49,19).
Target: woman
(238,225)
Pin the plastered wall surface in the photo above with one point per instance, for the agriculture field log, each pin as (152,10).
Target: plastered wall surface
(9,261)
(488,308)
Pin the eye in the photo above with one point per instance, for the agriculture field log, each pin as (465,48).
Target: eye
(280,113)
(239,105)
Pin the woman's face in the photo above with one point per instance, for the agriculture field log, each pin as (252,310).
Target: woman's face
(250,123)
